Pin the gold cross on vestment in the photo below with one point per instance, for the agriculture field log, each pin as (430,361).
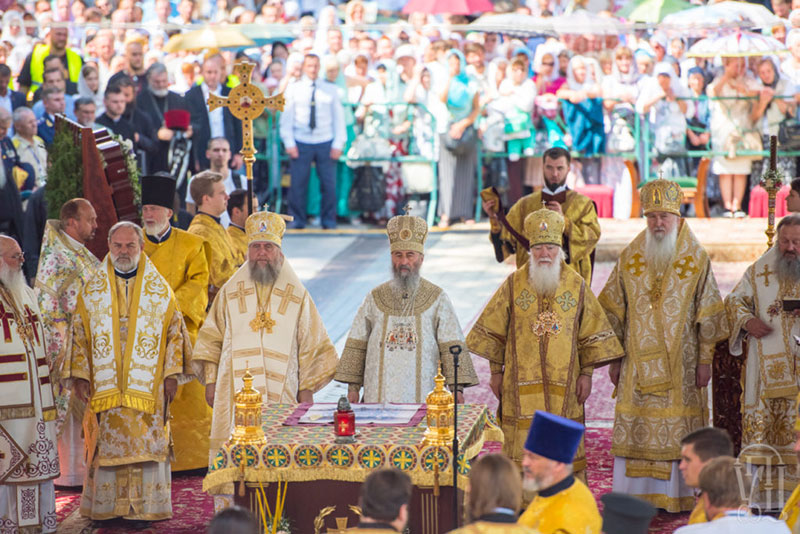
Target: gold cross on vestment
(246,102)
(765,274)
(286,297)
(240,295)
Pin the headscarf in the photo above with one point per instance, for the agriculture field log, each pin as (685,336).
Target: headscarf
(590,80)
(551,48)
(85,91)
(527,51)
(494,66)
(459,95)
(775,69)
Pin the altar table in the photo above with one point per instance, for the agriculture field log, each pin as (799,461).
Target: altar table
(323,473)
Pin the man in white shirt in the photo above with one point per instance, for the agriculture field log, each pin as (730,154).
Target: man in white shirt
(312,129)
(30,147)
(219,156)
(721,493)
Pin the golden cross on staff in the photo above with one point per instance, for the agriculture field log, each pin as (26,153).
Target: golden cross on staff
(246,102)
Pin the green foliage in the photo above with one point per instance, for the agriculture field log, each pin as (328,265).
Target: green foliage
(65,173)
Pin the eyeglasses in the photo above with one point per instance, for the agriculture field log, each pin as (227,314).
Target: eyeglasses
(18,257)
(548,63)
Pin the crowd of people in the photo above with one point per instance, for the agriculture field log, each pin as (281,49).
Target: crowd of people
(418,86)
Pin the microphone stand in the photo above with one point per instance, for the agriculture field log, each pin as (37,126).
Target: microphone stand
(455,350)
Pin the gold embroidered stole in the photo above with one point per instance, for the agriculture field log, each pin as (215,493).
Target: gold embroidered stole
(23,365)
(265,353)
(131,379)
(544,336)
(777,360)
(654,333)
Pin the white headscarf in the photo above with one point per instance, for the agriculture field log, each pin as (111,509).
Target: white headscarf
(551,48)
(590,80)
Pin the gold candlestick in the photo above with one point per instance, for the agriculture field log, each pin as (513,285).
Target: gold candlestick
(772,182)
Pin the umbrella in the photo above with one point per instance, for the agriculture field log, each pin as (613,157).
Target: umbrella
(512,24)
(262,34)
(744,13)
(208,37)
(582,22)
(739,44)
(450,7)
(652,10)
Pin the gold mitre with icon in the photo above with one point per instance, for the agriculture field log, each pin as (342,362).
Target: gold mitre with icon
(544,227)
(661,195)
(407,232)
(265,226)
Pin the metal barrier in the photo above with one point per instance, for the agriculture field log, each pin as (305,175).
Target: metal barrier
(643,150)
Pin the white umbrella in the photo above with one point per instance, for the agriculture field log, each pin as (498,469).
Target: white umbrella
(739,44)
(729,11)
(583,22)
(512,24)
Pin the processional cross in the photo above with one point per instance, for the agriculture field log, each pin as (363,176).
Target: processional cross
(772,181)
(246,102)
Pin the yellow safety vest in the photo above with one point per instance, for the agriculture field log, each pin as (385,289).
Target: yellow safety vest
(41,51)
(230,82)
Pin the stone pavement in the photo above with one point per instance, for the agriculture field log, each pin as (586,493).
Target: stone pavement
(339,268)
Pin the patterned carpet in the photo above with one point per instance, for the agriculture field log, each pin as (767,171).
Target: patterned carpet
(192,509)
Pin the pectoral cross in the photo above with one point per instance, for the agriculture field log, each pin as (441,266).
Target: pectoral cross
(33,319)
(246,102)
(765,274)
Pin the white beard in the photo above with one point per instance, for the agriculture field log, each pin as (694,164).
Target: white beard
(125,265)
(13,281)
(544,279)
(659,251)
(154,229)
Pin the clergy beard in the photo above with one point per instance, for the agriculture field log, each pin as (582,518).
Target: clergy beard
(155,229)
(124,263)
(160,93)
(267,274)
(658,250)
(544,278)
(12,280)
(789,268)
(405,280)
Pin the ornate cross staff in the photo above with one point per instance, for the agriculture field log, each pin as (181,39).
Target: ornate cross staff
(246,102)
(772,181)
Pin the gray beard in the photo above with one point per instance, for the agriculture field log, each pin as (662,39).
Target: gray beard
(789,269)
(544,279)
(160,93)
(155,230)
(659,251)
(13,281)
(405,282)
(124,265)
(265,275)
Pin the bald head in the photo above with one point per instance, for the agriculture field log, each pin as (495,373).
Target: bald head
(78,220)
(8,245)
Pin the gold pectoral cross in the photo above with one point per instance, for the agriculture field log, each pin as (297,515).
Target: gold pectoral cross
(262,321)
(246,102)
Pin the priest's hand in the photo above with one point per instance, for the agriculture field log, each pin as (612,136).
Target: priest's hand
(583,388)
(165,134)
(305,395)
(82,389)
(613,372)
(757,328)
(353,397)
(703,374)
(459,397)
(170,389)
(210,390)
(552,205)
(496,383)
